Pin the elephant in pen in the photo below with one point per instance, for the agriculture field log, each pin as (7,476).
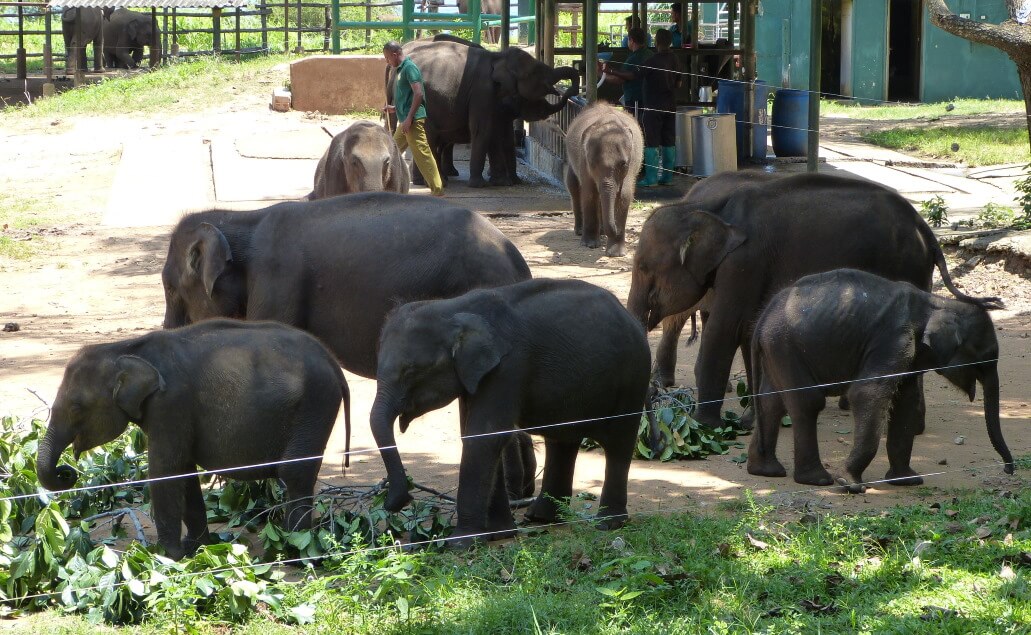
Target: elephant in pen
(336,267)
(766,237)
(533,355)
(221,394)
(842,326)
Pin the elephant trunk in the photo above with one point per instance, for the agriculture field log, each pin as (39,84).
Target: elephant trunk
(566,72)
(609,192)
(637,304)
(50,474)
(384,411)
(990,386)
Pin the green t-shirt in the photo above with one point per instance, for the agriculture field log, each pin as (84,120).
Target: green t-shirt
(633,90)
(407,74)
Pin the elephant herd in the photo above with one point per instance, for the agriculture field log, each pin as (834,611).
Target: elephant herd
(821,282)
(116,35)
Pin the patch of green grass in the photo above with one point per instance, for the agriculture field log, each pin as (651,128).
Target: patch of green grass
(964,107)
(197,84)
(981,145)
(21,212)
(906,570)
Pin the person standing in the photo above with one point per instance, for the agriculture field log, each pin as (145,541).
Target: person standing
(661,79)
(681,37)
(409,97)
(630,74)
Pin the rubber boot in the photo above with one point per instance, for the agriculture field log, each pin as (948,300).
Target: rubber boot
(651,168)
(669,159)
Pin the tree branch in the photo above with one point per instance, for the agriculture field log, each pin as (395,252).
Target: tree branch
(1011,37)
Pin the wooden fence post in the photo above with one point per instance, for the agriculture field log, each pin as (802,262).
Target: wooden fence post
(216,30)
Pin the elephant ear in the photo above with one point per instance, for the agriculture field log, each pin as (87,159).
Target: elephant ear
(131,29)
(501,73)
(207,255)
(707,244)
(136,380)
(476,349)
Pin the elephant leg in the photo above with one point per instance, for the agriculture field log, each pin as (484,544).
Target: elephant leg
(500,522)
(557,484)
(870,402)
(195,515)
(619,451)
(762,449)
(616,245)
(478,157)
(712,370)
(477,486)
(843,403)
(804,406)
(747,421)
(590,214)
(573,185)
(167,502)
(666,352)
(905,417)
(921,407)
(520,464)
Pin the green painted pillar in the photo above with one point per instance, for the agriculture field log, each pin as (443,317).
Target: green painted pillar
(815,44)
(407,9)
(591,49)
(528,31)
(477,19)
(336,27)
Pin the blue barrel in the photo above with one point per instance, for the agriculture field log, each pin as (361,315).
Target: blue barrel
(731,98)
(790,123)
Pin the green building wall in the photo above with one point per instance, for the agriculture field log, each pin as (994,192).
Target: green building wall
(950,66)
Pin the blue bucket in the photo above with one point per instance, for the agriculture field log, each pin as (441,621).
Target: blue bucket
(790,123)
(731,98)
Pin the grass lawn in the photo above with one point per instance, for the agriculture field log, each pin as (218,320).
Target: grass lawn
(951,565)
(974,145)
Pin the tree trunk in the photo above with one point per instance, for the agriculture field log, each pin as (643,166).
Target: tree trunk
(1013,37)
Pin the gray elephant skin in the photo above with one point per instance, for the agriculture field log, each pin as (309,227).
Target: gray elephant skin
(81,26)
(603,156)
(831,328)
(765,238)
(222,394)
(711,195)
(362,158)
(464,85)
(335,268)
(520,356)
(125,34)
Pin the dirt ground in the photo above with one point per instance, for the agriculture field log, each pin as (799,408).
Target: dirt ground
(93,283)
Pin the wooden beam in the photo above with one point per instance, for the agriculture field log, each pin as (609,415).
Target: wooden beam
(591,48)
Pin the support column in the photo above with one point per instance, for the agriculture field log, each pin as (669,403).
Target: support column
(591,49)
(506,24)
(815,44)
(216,30)
(548,29)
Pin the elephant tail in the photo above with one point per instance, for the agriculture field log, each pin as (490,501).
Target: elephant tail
(987,303)
(346,392)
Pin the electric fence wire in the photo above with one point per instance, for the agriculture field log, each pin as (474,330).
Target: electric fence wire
(321,457)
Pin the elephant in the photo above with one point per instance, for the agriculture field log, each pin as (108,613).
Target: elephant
(221,394)
(710,194)
(558,358)
(765,238)
(125,35)
(464,84)
(829,329)
(81,26)
(489,7)
(362,158)
(603,155)
(335,268)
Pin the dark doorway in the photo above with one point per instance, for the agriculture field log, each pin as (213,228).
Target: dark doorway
(830,51)
(904,34)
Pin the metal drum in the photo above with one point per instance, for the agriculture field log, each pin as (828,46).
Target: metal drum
(713,143)
(684,149)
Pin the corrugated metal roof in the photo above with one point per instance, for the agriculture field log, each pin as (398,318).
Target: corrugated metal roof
(146,4)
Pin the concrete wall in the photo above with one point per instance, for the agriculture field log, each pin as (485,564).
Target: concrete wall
(337,84)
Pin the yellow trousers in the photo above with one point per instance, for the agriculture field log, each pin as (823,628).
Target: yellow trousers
(416,138)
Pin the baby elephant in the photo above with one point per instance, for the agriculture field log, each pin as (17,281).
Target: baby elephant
(603,152)
(219,394)
(535,355)
(362,158)
(846,326)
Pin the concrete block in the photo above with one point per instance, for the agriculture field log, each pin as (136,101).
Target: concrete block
(338,84)
(281,100)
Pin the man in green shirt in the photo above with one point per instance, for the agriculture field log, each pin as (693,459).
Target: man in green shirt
(630,74)
(409,96)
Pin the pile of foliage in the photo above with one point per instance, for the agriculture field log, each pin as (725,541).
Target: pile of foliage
(50,552)
(682,437)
